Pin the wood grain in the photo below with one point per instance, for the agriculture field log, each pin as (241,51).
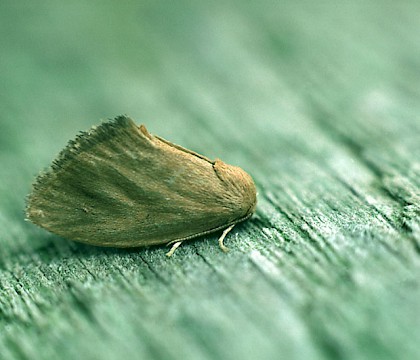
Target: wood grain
(318,102)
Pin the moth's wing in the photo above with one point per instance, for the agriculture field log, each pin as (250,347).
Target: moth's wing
(117,185)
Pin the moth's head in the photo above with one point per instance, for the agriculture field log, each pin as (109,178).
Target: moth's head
(240,183)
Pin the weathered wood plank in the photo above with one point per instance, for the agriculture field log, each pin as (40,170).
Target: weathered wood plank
(318,102)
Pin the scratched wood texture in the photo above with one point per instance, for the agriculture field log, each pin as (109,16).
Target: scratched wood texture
(319,102)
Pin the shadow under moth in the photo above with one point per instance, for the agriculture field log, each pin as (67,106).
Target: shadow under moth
(117,185)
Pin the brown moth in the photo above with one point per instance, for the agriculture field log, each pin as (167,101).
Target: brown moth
(117,185)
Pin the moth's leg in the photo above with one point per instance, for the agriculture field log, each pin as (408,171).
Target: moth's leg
(222,237)
(173,248)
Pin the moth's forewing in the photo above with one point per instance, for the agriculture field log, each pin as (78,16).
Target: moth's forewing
(117,185)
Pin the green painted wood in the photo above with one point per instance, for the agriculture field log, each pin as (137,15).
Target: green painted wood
(319,102)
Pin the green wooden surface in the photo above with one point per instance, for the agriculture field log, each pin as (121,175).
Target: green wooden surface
(320,103)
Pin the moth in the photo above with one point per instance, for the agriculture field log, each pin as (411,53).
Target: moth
(117,185)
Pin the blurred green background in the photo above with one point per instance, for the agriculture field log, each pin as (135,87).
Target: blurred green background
(319,101)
